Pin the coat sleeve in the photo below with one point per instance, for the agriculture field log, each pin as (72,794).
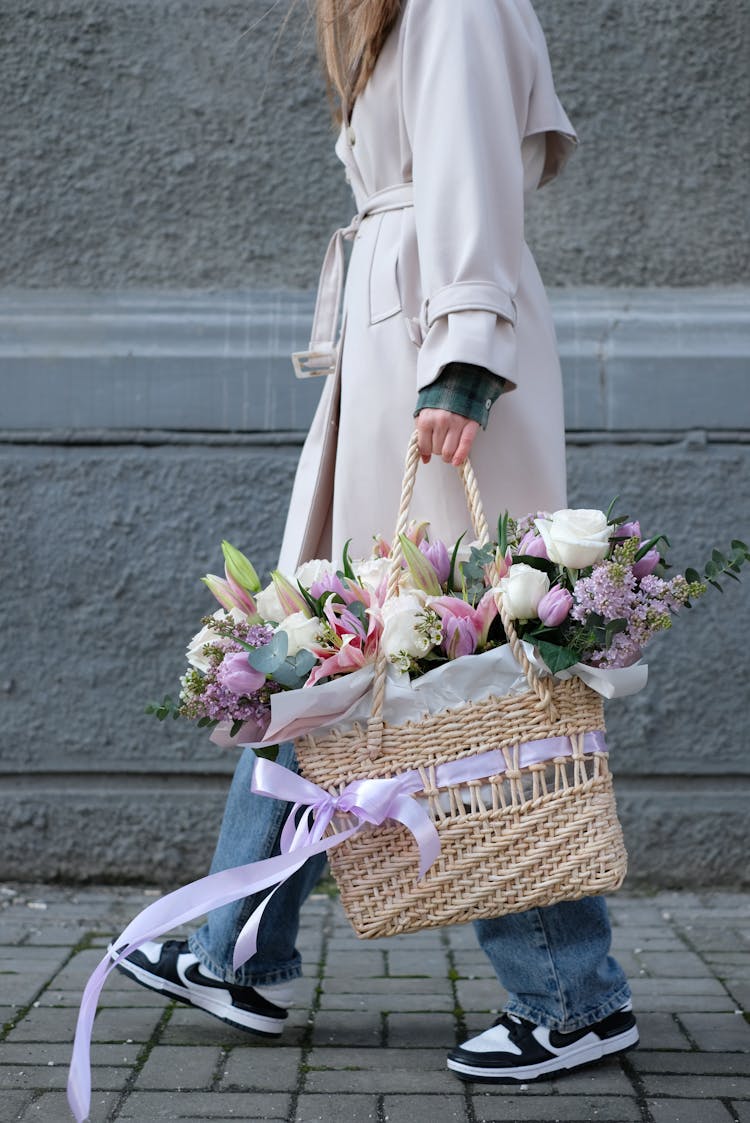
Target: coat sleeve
(468,69)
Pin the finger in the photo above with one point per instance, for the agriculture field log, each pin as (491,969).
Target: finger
(468,433)
(424,437)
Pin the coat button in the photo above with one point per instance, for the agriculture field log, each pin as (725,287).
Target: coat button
(350,136)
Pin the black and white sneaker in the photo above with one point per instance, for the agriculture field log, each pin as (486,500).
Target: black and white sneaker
(514,1050)
(173,969)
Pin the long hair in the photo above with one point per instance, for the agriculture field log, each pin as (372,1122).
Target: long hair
(351,34)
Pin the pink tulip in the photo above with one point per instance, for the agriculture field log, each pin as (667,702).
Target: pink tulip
(237,676)
(554,607)
(647,564)
(532,546)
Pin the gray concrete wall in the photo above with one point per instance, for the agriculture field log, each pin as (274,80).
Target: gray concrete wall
(185,144)
(168,188)
(107,528)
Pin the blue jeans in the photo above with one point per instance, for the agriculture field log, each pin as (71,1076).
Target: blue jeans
(554,961)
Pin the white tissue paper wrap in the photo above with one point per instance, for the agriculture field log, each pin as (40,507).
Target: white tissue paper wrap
(348,699)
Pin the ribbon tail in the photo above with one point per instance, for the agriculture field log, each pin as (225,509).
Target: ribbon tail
(416,819)
(79,1077)
(247,941)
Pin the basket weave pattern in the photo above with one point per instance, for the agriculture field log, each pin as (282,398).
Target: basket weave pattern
(524,838)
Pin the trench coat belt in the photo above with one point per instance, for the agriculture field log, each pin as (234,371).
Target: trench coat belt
(320,359)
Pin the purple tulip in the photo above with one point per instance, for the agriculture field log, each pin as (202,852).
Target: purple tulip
(459,637)
(628,530)
(647,564)
(329,583)
(237,676)
(438,557)
(532,546)
(554,607)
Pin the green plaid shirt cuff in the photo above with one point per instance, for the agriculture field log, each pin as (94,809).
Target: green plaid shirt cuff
(465,389)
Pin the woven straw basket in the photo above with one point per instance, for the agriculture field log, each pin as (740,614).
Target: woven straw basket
(527,837)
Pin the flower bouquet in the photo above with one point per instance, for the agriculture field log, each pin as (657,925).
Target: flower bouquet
(469,678)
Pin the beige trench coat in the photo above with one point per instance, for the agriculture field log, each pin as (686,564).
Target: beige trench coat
(458,123)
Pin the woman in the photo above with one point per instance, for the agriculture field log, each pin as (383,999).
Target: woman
(449,118)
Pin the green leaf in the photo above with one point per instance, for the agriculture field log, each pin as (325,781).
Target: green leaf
(348,571)
(452,570)
(502,533)
(692,576)
(236,727)
(611,508)
(268,752)
(534,562)
(737,544)
(715,584)
(613,628)
(271,655)
(718,557)
(557,658)
(646,546)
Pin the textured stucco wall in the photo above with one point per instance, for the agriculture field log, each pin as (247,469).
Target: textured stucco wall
(103,551)
(187,144)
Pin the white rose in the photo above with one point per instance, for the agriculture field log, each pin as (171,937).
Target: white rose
(195,656)
(402,616)
(575,538)
(314,570)
(268,604)
(372,572)
(300,630)
(522,590)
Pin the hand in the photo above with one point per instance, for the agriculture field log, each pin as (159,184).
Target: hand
(446,434)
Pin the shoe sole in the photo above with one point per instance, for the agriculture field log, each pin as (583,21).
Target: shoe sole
(240,1019)
(574,1058)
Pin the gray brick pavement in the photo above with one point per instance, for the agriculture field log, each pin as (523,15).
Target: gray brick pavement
(368,1039)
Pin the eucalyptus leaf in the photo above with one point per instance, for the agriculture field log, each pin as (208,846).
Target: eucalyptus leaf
(304,661)
(286,675)
(267,658)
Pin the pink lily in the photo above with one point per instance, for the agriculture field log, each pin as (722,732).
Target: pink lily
(348,658)
(230,595)
(416,531)
(480,617)
(291,599)
(420,567)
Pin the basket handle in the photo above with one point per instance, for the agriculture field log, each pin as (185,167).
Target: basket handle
(541,687)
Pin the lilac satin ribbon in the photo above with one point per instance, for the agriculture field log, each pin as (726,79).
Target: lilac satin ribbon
(369,801)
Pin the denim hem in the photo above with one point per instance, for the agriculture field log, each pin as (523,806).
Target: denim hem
(244,977)
(570,1024)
